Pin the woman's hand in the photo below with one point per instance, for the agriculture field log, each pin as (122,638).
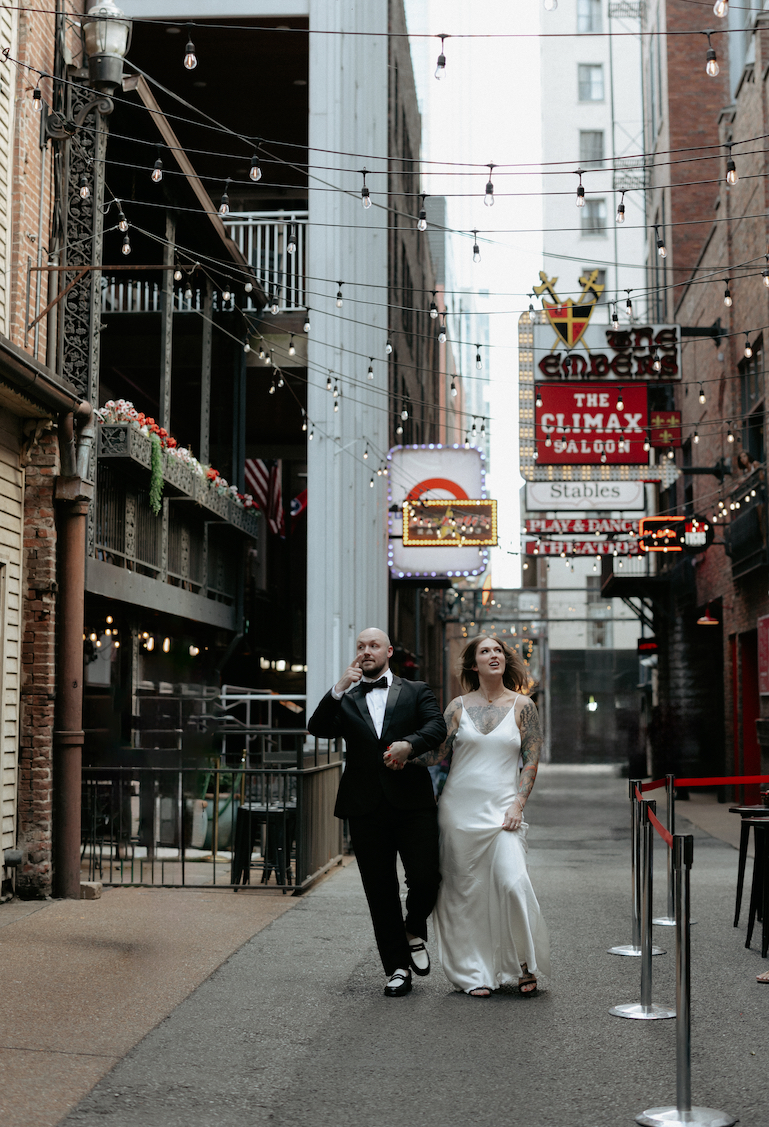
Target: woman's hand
(513,816)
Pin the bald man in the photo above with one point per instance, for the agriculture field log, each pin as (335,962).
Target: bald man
(387,798)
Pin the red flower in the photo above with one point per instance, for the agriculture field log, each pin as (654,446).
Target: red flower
(163,432)
(171,442)
(150,422)
(212,474)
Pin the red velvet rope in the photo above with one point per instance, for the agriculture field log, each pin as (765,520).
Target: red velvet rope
(638,794)
(722,780)
(666,837)
(653,786)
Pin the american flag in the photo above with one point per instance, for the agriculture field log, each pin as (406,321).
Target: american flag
(263,482)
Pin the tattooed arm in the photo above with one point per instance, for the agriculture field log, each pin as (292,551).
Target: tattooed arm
(531,747)
(452,716)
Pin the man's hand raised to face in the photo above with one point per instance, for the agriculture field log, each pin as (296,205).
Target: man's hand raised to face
(351,676)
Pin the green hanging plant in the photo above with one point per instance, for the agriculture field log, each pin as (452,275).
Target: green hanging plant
(156,480)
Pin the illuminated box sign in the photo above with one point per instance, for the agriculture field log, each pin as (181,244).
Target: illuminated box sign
(582,548)
(558,496)
(590,526)
(675,534)
(603,353)
(449,524)
(648,646)
(587,424)
(665,428)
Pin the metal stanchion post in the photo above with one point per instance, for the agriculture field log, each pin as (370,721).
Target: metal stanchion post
(670,919)
(634,948)
(683,1113)
(646,1010)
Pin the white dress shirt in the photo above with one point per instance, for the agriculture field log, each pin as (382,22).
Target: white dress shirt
(376,700)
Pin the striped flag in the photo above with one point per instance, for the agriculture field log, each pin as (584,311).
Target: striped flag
(263,482)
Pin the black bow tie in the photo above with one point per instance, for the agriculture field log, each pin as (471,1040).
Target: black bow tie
(367,686)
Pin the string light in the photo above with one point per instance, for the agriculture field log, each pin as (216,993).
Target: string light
(399,430)
(539,402)
(422,221)
(488,199)
(467,442)
(442,333)
(478,360)
(532,314)
(657,362)
(248,287)
(647,443)
(82,186)
(695,437)
(336,390)
(629,304)
(275,303)
(157,171)
(765,272)
(620,401)
(711,66)
(122,222)
(721,8)
(476,248)
(255,171)
(37,99)
(311,435)
(615,317)
(702,394)
(483,426)
(246,346)
(292,350)
(404,414)
(454,392)
(339,298)
(621,208)
(188,292)
(177,275)
(263,353)
(433,307)
(226,292)
(580,191)
(304,420)
(365,454)
(441,67)
(272,388)
(190,58)
(727,295)
(281,381)
(268,359)
(388,346)
(661,248)
(731,167)
(548,441)
(671,453)
(306,325)
(371,368)
(126,247)
(371,483)
(291,244)
(473,431)
(224,203)
(748,348)
(328,383)
(364,192)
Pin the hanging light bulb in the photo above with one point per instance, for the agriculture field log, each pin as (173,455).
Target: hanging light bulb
(306,325)
(388,346)
(126,247)
(454,392)
(272,388)
(304,420)
(404,414)
(399,430)
(177,275)
(695,437)
(224,203)
(291,346)
(473,431)
(730,436)
(268,359)
(441,67)
(248,287)
(262,350)
(188,292)
(580,192)
(603,458)
(476,248)
(711,66)
(661,248)
(550,5)
(647,443)
(371,483)
(671,453)
(371,368)
(226,293)
(433,309)
(246,347)
(336,405)
(657,362)
(727,295)
(328,384)
(255,172)
(629,304)
(532,314)
(488,199)
(615,317)
(621,208)
(157,171)
(422,221)
(731,169)
(291,244)
(620,401)
(478,361)
(37,99)
(275,304)
(281,381)
(365,454)
(720,8)
(190,58)
(483,426)
(548,441)
(82,186)
(339,298)
(122,222)
(748,348)
(311,435)
(442,333)
(765,272)
(538,401)
(702,394)
(467,441)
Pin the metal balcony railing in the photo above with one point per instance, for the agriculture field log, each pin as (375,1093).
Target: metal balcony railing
(263,239)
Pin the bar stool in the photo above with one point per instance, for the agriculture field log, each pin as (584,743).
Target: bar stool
(746,813)
(759,892)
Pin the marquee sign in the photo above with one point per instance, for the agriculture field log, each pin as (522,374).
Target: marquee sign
(582,496)
(449,524)
(582,548)
(675,534)
(590,526)
(580,424)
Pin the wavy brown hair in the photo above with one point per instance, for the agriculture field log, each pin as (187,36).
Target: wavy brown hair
(514,677)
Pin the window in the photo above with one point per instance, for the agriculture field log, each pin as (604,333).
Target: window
(594,217)
(588,270)
(751,395)
(590,77)
(599,614)
(590,148)
(588,15)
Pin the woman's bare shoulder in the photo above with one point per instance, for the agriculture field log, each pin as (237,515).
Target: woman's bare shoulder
(524,705)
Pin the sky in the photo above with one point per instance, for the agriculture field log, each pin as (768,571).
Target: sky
(485,108)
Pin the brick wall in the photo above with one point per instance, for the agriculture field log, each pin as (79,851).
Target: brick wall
(38,682)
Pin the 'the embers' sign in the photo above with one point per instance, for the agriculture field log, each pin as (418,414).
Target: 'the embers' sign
(581,424)
(648,352)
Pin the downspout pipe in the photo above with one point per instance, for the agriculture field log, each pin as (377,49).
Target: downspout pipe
(73,497)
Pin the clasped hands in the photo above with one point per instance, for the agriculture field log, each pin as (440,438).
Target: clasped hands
(397,754)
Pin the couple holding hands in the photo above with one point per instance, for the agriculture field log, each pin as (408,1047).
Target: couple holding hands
(465,858)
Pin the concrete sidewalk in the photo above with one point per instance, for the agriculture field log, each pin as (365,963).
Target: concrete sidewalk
(293,1029)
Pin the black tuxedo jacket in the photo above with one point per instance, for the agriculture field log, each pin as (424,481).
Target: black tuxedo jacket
(412,714)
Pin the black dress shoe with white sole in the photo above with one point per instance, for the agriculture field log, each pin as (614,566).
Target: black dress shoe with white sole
(398,984)
(419,958)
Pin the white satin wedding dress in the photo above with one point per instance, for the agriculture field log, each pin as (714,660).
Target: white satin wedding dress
(487,919)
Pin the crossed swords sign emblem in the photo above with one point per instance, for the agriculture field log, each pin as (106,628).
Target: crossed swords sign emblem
(570,318)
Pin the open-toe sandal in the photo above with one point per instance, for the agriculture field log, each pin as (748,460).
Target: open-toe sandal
(475,992)
(527,980)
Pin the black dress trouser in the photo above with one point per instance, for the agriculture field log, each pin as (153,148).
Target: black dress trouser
(377,839)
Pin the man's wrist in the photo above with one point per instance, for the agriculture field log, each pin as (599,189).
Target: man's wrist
(336,692)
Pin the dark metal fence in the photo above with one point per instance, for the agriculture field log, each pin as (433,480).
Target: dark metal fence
(225,826)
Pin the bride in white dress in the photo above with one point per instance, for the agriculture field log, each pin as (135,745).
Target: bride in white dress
(488,925)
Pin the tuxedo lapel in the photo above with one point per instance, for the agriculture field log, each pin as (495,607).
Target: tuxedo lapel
(392,700)
(360,700)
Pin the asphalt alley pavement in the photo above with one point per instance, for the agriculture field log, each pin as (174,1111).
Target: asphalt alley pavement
(293,1030)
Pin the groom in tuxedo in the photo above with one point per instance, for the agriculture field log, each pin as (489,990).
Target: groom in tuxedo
(387,798)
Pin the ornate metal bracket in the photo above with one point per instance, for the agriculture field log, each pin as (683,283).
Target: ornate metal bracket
(58,127)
